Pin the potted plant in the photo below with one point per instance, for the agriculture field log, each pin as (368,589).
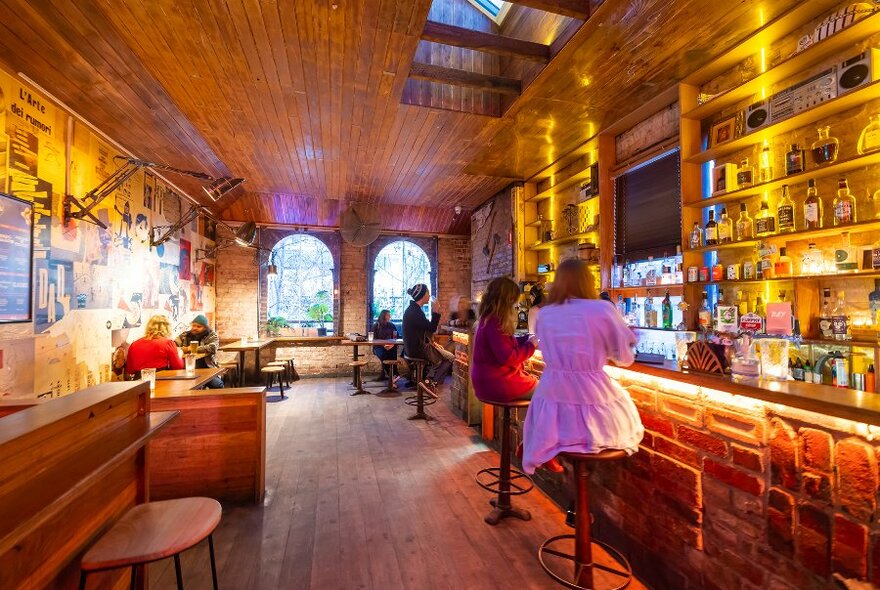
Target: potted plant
(320,311)
(274,325)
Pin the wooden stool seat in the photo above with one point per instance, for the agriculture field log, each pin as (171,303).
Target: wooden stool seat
(273,371)
(550,553)
(153,531)
(391,390)
(504,480)
(357,364)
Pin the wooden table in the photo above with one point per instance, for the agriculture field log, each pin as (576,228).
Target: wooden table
(241,348)
(175,382)
(355,348)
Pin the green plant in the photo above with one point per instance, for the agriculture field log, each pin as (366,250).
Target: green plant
(320,308)
(274,325)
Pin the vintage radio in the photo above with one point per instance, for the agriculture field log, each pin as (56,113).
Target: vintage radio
(757,116)
(820,88)
(857,71)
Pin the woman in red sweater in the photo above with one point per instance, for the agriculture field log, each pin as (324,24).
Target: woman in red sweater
(498,368)
(155,350)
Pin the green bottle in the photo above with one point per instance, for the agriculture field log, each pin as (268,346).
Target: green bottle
(667,312)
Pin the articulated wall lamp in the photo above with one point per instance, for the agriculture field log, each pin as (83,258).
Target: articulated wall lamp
(76,209)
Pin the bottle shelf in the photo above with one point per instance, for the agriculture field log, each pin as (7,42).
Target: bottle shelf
(561,185)
(802,235)
(849,100)
(844,40)
(671,330)
(848,343)
(864,274)
(838,168)
(675,290)
(561,241)
(537,223)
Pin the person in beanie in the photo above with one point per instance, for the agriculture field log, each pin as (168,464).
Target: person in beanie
(418,332)
(208,342)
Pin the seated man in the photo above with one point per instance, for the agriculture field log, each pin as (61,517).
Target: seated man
(417,336)
(208,341)
(385,330)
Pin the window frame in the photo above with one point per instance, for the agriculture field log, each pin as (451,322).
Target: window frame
(427,245)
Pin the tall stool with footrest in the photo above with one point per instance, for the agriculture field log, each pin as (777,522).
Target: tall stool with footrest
(504,480)
(423,397)
(416,368)
(358,369)
(153,531)
(582,560)
(391,390)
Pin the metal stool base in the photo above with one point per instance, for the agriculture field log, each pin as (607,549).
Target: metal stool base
(499,514)
(413,400)
(546,549)
(494,485)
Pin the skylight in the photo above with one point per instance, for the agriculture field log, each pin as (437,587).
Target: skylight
(496,9)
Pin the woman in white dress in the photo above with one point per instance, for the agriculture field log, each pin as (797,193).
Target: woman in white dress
(577,407)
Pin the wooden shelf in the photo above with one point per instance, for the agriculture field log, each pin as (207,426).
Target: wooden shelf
(561,185)
(537,223)
(674,290)
(560,241)
(846,39)
(796,236)
(849,343)
(849,100)
(839,168)
(864,274)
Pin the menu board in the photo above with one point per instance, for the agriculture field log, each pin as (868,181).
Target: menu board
(16,250)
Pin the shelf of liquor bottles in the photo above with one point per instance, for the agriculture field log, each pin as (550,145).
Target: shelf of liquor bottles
(643,291)
(792,278)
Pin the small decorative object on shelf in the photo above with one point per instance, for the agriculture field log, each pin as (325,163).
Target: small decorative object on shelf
(570,215)
(724,179)
(704,357)
(825,149)
(869,140)
(723,131)
(835,23)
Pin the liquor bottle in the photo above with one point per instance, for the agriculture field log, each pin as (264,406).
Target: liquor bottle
(841,370)
(844,204)
(745,175)
(748,267)
(627,276)
(825,148)
(650,312)
(795,161)
(742,305)
(874,304)
(785,212)
(651,273)
(845,255)
(798,370)
(621,306)
(678,279)
(840,324)
(711,231)
(869,140)
(704,315)
(783,266)
(870,379)
(825,315)
(765,223)
(812,261)
(667,312)
(725,228)
(812,207)
(745,225)
(696,236)
(765,165)
(808,371)
(761,312)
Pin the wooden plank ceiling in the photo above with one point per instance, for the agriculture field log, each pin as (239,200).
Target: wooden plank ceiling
(311,100)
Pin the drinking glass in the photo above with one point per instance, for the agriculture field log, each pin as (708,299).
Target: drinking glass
(193,347)
(369,336)
(774,359)
(149,375)
(190,363)
(681,345)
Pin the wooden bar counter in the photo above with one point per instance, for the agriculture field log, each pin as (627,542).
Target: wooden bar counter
(69,468)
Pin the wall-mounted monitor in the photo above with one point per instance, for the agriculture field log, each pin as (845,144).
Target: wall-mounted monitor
(16,259)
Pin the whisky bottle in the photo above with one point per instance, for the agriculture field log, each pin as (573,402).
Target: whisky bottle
(845,255)
(844,204)
(765,165)
(745,175)
(745,225)
(785,212)
(783,266)
(825,315)
(696,236)
(705,315)
(812,207)
(711,231)
(765,223)
(725,228)
(795,160)
(840,324)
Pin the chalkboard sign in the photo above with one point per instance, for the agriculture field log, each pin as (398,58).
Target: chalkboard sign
(16,259)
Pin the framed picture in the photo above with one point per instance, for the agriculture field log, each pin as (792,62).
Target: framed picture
(722,131)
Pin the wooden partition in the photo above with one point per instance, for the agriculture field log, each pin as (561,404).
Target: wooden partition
(216,448)
(69,468)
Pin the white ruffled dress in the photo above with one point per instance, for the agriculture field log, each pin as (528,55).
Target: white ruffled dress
(577,407)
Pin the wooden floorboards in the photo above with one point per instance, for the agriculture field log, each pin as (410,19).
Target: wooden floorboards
(359,497)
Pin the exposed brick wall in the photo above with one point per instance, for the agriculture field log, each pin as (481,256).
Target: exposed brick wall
(241,302)
(492,240)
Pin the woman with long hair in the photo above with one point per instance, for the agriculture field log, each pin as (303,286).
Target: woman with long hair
(385,330)
(577,407)
(155,350)
(498,367)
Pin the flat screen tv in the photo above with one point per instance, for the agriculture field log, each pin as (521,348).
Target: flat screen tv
(16,259)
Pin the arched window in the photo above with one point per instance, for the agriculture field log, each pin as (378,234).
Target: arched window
(301,291)
(398,266)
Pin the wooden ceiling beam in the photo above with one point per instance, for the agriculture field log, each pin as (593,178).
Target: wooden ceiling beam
(487,42)
(579,9)
(441,75)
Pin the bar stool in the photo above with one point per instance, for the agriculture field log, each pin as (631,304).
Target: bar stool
(283,365)
(391,390)
(418,400)
(287,358)
(153,531)
(500,479)
(231,370)
(358,382)
(417,367)
(272,373)
(583,542)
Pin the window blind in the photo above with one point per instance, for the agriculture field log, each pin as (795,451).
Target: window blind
(647,209)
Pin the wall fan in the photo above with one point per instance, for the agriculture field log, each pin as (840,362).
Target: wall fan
(359,224)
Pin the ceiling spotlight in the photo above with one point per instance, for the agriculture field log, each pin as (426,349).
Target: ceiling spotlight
(220,187)
(246,234)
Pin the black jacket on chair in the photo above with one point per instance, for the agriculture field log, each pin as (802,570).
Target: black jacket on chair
(417,330)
